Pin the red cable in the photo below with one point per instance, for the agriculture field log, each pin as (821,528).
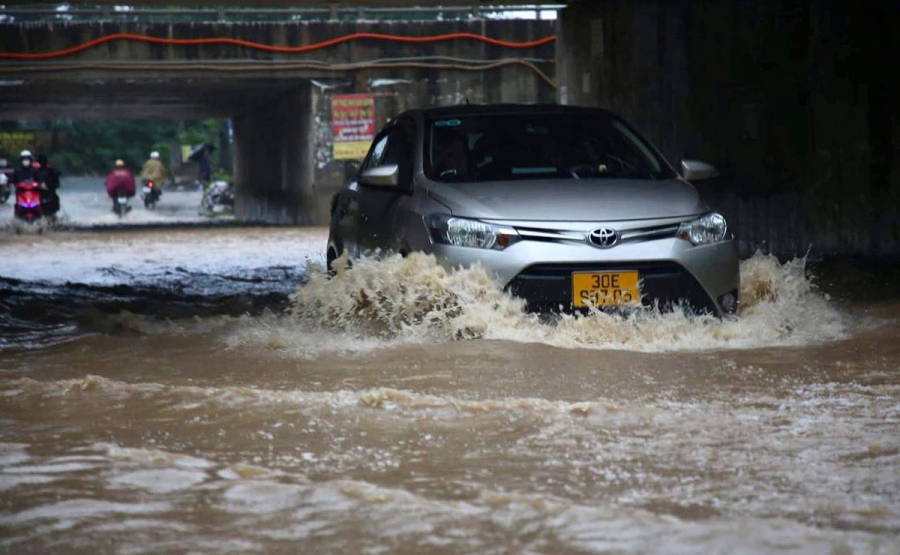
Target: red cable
(268,47)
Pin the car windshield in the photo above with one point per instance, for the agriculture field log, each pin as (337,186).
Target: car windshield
(533,146)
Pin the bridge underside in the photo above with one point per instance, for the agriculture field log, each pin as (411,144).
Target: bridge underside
(271,126)
(175,98)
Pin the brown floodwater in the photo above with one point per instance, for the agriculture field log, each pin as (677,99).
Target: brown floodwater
(401,409)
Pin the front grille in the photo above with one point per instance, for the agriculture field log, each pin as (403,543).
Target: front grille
(579,237)
(549,286)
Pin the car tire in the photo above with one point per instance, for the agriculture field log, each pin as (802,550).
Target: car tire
(331,255)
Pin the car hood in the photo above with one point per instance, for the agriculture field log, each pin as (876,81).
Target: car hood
(570,199)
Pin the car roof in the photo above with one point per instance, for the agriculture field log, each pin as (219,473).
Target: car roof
(498,109)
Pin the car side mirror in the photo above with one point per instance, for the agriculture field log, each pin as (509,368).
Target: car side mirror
(695,170)
(387,175)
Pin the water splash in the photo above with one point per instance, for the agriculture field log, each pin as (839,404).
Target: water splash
(396,300)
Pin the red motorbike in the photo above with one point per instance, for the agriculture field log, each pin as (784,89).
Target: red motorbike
(28,206)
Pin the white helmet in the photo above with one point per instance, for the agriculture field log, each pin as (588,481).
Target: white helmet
(25,154)
(154,155)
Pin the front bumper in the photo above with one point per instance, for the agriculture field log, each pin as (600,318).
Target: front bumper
(671,270)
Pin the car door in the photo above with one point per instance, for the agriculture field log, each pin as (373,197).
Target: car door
(380,206)
(346,216)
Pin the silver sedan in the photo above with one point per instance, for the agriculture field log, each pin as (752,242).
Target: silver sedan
(569,207)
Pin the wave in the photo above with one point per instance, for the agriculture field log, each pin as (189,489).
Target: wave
(403,300)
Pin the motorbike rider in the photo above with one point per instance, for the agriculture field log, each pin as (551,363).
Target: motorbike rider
(48,176)
(25,170)
(119,182)
(153,170)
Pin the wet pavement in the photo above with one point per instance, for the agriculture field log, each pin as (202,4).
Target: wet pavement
(160,392)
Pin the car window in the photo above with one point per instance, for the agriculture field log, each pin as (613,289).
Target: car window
(389,148)
(529,146)
(376,153)
(393,147)
(396,151)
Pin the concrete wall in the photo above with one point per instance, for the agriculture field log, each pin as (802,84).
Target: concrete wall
(793,100)
(273,169)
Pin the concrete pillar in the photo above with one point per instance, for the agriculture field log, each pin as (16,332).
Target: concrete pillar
(273,165)
(579,46)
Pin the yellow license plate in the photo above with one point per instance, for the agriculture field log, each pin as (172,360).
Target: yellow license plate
(605,288)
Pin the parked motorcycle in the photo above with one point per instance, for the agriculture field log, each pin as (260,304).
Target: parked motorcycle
(218,199)
(28,206)
(121,206)
(150,192)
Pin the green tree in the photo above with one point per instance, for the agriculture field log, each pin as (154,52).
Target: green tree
(92,146)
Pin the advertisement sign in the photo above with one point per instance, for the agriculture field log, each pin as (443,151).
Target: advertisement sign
(13,142)
(352,125)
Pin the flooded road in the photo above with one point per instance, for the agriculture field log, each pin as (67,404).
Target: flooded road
(84,204)
(155,404)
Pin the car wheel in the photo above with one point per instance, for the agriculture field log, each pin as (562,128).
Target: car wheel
(330,256)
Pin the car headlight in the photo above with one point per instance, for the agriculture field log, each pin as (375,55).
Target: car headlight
(711,228)
(463,232)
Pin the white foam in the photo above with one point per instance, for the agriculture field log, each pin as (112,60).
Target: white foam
(163,480)
(140,525)
(79,509)
(49,468)
(13,453)
(396,300)
(10,481)
(139,455)
(263,497)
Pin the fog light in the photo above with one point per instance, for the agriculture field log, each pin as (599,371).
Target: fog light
(729,302)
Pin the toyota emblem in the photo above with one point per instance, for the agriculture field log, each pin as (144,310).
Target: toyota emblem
(604,237)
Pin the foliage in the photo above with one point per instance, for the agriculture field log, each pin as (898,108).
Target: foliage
(222,175)
(92,146)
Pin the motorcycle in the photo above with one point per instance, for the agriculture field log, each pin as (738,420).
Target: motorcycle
(218,199)
(121,205)
(28,206)
(151,192)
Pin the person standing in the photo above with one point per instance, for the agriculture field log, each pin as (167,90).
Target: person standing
(205,164)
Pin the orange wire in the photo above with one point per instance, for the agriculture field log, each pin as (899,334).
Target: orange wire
(268,47)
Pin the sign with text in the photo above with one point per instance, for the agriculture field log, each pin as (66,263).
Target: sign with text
(352,125)
(13,142)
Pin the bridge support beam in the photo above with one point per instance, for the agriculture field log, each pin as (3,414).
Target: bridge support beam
(791,101)
(273,169)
